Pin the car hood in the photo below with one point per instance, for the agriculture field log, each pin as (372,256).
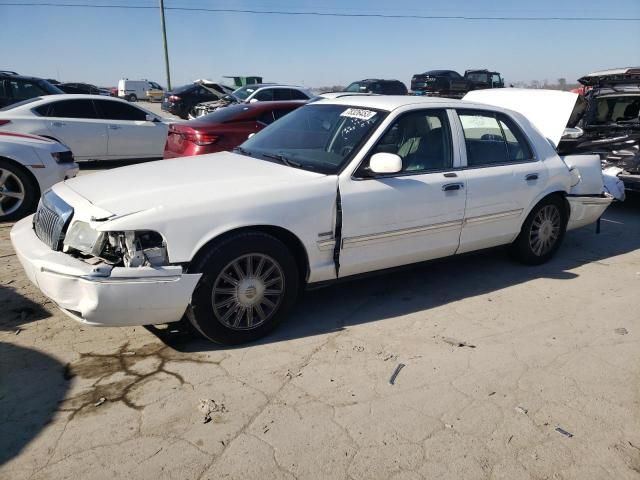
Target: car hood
(178,183)
(548,110)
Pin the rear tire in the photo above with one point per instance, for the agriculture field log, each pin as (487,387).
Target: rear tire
(542,232)
(249,284)
(19,192)
(132,98)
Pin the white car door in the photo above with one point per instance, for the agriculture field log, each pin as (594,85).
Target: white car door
(75,123)
(411,216)
(130,134)
(503,178)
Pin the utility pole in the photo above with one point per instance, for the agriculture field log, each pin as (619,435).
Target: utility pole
(164,42)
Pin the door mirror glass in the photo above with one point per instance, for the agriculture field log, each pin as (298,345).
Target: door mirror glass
(150,118)
(382,163)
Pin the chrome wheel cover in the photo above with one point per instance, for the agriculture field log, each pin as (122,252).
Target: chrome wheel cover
(12,192)
(545,230)
(248,291)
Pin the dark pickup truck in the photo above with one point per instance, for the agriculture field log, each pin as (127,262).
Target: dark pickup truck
(449,83)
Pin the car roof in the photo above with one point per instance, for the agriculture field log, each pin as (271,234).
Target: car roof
(377,80)
(75,96)
(262,85)
(7,74)
(391,102)
(613,76)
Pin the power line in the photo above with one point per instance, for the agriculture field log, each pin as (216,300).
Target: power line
(329,14)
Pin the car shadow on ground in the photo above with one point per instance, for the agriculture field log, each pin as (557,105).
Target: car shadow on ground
(430,285)
(17,310)
(32,384)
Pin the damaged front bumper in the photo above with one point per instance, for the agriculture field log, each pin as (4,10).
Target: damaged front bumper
(103,295)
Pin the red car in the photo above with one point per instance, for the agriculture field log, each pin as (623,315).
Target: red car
(223,129)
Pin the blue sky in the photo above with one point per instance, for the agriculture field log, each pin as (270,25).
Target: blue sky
(100,46)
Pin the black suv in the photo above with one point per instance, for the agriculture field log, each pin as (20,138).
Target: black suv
(381,87)
(15,88)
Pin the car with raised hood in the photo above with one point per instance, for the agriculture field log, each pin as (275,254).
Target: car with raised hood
(181,100)
(334,189)
(606,122)
(94,127)
(264,92)
(30,165)
(223,129)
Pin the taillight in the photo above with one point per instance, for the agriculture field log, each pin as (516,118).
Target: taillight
(201,138)
(4,122)
(174,98)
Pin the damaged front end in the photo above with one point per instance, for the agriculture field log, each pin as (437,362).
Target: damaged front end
(100,277)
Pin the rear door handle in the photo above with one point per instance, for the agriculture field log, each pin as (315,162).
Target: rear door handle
(58,124)
(531,177)
(452,186)
(114,127)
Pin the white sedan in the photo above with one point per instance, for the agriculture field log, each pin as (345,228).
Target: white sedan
(335,189)
(93,126)
(30,165)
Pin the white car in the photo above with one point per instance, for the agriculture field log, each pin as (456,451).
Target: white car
(93,126)
(334,189)
(30,165)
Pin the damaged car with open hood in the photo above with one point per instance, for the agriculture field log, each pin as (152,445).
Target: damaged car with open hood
(606,121)
(337,188)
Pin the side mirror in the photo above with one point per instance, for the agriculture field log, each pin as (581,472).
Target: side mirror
(150,118)
(253,100)
(385,163)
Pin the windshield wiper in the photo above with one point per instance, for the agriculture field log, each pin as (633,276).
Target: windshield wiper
(282,159)
(242,151)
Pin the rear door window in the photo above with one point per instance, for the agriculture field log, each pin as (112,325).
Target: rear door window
(266,95)
(69,109)
(298,95)
(111,110)
(493,139)
(266,118)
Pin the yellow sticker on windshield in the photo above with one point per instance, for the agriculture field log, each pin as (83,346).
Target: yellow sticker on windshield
(359,113)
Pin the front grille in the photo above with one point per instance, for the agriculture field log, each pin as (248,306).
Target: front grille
(52,219)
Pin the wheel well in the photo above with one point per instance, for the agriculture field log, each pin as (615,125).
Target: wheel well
(24,169)
(565,202)
(282,234)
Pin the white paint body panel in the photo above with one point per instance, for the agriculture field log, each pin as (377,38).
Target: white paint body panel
(35,154)
(91,139)
(385,222)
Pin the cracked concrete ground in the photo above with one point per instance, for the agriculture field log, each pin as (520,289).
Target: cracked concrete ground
(555,346)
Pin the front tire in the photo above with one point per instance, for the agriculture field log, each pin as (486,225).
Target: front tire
(249,284)
(132,98)
(542,232)
(18,192)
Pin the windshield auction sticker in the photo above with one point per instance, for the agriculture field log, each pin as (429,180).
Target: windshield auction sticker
(359,113)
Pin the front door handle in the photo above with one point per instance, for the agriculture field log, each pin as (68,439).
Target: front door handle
(114,127)
(531,177)
(452,186)
(58,124)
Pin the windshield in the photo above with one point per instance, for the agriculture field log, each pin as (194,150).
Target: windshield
(315,137)
(19,104)
(615,109)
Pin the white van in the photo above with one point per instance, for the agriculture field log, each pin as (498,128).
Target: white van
(134,90)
